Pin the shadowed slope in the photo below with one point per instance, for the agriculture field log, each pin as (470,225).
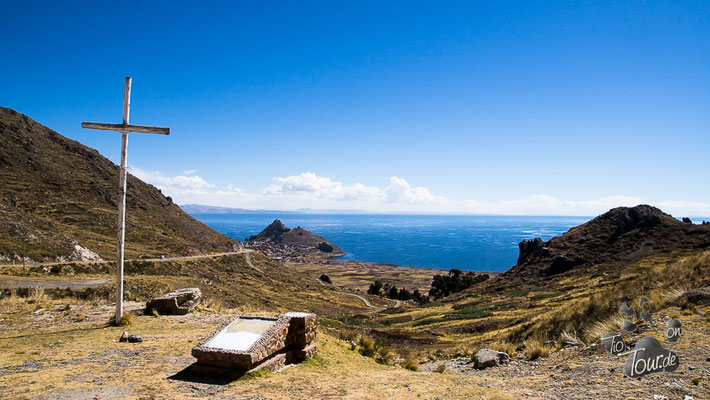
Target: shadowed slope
(57,193)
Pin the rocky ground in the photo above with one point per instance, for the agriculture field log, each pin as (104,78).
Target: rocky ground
(589,372)
(54,349)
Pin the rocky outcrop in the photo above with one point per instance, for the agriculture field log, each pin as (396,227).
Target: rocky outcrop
(274,232)
(177,302)
(83,254)
(276,240)
(486,358)
(531,249)
(699,296)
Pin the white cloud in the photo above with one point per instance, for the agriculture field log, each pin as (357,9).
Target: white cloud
(309,184)
(399,191)
(542,204)
(685,208)
(309,190)
(172,184)
(306,190)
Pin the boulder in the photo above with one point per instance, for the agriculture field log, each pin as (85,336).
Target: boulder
(485,358)
(699,296)
(177,302)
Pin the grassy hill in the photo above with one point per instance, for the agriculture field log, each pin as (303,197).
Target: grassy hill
(616,257)
(57,193)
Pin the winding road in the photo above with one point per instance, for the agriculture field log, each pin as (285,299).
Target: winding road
(364,300)
(397,303)
(247,251)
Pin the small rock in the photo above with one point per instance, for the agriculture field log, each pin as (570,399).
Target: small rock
(134,339)
(124,337)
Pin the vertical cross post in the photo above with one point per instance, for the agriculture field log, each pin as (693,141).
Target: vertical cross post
(122,202)
(125,128)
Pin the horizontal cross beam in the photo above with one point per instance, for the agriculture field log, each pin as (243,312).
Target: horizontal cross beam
(126,128)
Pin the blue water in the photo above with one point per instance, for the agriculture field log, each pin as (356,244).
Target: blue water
(475,243)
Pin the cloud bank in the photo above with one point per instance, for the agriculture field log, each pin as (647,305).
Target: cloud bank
(309,190)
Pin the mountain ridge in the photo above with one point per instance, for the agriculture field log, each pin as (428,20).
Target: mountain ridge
(58,194)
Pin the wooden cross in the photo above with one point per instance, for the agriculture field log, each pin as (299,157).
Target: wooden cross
(124,129)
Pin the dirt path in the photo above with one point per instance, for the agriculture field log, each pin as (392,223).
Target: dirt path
(364,300)
(246,255)
(397,303)
(247,251)
(19,282)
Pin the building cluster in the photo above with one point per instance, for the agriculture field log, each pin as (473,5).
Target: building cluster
(283,252)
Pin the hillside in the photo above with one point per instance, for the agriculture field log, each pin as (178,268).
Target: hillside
(621,235)
(618,256)
(60,197)
(277,238)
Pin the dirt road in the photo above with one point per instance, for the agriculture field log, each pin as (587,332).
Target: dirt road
(247,251)
(21,282)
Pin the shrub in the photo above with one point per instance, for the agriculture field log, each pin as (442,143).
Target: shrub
(325,278)
(453,282)
(411,364)
(379,289)
(374,349)
(534,349)
(325,247)
(506,347)
(36,293)
(440,369)
(126,320)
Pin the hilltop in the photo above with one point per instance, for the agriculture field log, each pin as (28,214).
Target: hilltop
(60,197)
(619,236)
(278,240)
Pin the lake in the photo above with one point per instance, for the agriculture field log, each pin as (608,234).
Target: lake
(474,243)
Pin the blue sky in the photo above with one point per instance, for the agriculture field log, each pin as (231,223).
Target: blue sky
(467,107)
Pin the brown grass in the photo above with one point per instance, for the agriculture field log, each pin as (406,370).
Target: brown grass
(535,348)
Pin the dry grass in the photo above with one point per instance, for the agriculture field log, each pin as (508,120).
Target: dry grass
(213,304)
(37,294)
(506,347)
(597,329)
(535,348)
(126,320)
(570,337)
(411,364)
